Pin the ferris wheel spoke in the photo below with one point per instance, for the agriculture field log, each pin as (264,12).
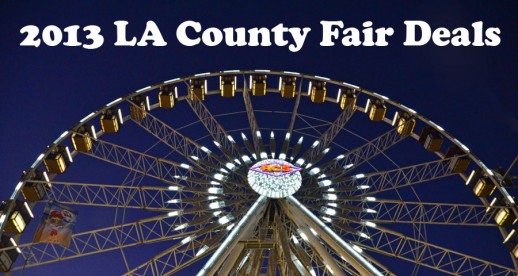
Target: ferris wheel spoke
(400,246)
(252,122)
(218,133)
(149,230)
(369,184)
(352,159)
(395,211)
(175,140)
(329,135)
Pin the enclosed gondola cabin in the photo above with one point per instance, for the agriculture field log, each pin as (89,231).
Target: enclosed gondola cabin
(287,87)
(405,124)
(480,183)
(459,161)
(317,91)
(504,216)
(82,139)
(18,218)
(37,186)
(110,120)
(258,84)
(227,86)
(347,99)
(197,89)
(9,256)
(58,159)
(431,139)
(138,107)
(511,242)
(167,96)
(377,109)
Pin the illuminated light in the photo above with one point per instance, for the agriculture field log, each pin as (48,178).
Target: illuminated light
(359,176)
(363,235)
(263,155)
(113,102)
(230,139)
(372,211)
(325,151)
(216,205)
(287,136)
(231,71)
(300,162)
(300,140)
(243,136)
(245,158)
(225,219)
(174,213)
(217,213)
(195,158)
(15,245)
(409,109)
(295,240)
(282,156)
(303,236)
(461,145)
(213,190)
(201,74)
(181,226)
(142,89)
(288,72)
(230,226)
(330,196)
(37,160)
(202,250)
(94,133)
(436,126)
(357,248)
(2,219)
(230,166)
(329,269)
(314,171)
(381,96)
(351,85)
(28,209)
(258,134)
(328,211)
(332,204)
(315,144)
(215,182)
(87,117)
(148,106)
(369,198)
(370,224)
(223,170)
(363,187)
(180,177)
(186,240)
(313,231)
(340,157)
(308,166)
(237,161)
(260,70)
(312,272)
(217,144)
(185,166)
(203,148)
(219,176)
(18,186)
(325,183)
(328,219)
(348,166)
(339,94)
(212,197)
(324,78)
(321,176)
(271,135)
(331,190)
(173,201)
(172,80)
(174,188)
(254,156)
(274,178)
(60,137)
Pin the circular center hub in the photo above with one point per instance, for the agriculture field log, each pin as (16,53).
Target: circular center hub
(274,178)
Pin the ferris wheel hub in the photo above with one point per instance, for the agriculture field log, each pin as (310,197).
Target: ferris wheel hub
(274,178)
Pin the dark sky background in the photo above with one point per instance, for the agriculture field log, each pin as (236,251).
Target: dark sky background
(470,91)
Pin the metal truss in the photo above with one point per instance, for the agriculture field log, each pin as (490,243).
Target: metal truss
(252,122)
(394,179)
(330,134)
(150,230)
(217,132)
(448,261)
(364,153)
(392,211)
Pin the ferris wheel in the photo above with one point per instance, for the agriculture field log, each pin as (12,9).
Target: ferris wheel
(259,172)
